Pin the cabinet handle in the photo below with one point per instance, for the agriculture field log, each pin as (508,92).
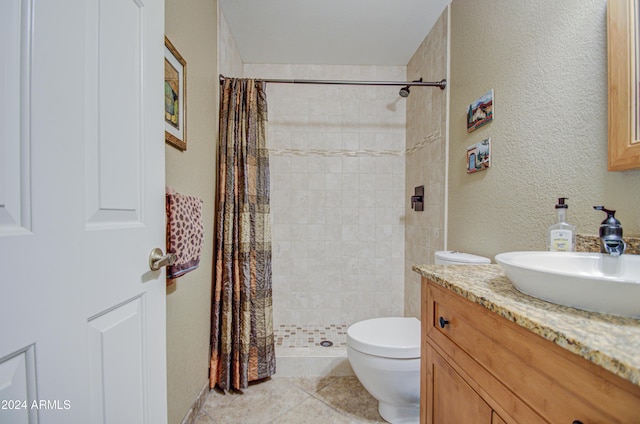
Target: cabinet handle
(444,322)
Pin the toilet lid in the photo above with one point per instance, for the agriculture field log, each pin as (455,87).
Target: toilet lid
(393,337)
(463,258)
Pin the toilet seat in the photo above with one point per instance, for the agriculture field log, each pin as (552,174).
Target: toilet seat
(391,337)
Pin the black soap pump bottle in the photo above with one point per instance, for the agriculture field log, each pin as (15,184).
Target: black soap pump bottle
(561,236)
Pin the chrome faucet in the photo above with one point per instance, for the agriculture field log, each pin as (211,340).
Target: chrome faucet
(611,234)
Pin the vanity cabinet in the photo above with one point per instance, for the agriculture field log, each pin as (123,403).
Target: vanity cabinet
(478,367)
(453,400)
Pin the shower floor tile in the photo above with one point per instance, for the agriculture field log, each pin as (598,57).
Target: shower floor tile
(293,336)
(300,351)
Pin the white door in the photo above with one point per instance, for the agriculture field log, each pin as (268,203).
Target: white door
(82,317)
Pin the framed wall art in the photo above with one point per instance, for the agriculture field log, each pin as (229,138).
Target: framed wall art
(175,97)
(479,156)
(480,112)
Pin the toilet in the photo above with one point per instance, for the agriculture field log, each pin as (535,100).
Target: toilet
(385,355)
(447,257)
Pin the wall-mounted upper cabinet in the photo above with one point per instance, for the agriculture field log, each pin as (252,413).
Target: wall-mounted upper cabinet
(624,91)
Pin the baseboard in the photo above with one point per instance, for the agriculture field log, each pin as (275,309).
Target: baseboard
(192,413)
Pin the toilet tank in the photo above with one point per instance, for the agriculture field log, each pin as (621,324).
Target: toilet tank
(459,258)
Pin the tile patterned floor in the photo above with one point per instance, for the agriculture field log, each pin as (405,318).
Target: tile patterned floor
(294,400)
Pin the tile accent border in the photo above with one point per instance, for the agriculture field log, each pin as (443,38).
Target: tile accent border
(427,140)
(357,153)
(335,152)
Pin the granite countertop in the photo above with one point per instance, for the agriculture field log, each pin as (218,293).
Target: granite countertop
(606,340)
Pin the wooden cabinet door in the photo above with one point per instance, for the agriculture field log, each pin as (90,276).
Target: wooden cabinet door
(497,420)
(449,398)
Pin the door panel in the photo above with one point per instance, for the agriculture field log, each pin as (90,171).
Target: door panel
(115,94)
(17,387)
(15,49)
(117,374)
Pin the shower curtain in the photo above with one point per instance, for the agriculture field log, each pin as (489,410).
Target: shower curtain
(242,345)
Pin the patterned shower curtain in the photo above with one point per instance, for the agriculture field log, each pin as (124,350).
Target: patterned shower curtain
(242,345)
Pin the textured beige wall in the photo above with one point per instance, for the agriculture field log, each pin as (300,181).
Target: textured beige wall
(191,27)
(547,62)
(426,125)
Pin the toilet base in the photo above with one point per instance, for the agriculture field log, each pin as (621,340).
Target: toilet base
(399,414)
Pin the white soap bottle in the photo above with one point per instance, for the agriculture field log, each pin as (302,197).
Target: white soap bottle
(561,236)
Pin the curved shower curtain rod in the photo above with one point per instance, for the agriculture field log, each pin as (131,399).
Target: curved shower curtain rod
(442,84)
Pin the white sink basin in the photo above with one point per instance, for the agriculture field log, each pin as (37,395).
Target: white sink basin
(590,281)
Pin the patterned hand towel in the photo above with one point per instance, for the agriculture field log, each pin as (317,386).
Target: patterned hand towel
(185,232)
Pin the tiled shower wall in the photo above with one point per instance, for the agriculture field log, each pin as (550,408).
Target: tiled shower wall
(337,194)
(426,162)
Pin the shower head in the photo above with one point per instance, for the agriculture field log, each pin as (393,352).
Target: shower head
(404,91)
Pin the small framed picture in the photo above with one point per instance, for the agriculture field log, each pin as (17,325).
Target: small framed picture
(175,97)
(479,156)
(480,112)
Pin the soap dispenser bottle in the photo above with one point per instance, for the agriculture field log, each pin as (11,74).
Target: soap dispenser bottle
(561,236)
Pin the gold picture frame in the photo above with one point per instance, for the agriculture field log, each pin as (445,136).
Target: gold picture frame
(175,97)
